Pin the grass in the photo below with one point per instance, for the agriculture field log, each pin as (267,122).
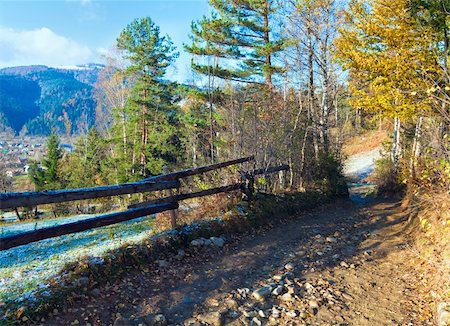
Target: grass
(364,142)
(24,269)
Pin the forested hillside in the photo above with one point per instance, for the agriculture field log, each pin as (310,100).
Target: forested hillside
(35,100)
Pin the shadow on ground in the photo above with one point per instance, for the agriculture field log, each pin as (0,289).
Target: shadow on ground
(187,287)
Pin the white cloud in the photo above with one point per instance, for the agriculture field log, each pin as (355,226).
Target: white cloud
(40,46)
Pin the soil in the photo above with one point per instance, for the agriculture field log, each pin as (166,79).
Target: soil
(348,264)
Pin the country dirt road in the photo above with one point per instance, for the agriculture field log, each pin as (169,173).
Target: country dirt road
(343,264)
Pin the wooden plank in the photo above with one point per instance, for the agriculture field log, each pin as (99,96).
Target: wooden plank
(30,199)
(173,213)
(180,197)
(95,222)
(199,170)
(269,170)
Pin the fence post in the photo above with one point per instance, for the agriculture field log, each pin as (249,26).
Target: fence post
(249,188)
(173,213)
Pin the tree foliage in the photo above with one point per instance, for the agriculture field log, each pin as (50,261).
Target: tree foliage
(238,40)
(388,59)
(150,112)
(47,176)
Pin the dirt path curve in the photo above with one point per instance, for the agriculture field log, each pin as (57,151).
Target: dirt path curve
(340,265)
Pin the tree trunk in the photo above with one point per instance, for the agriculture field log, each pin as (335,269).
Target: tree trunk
(446,49)
(302,157)
(396,149)
(268,59)
(357,119)
(416,148)
(133,157)
(326,97)
(311,95)
(211,118)
(144,137)
(124,132)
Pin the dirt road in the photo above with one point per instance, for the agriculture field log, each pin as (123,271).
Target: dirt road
(341,265)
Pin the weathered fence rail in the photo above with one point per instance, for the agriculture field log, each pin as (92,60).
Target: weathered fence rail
(270,169)
(197,194)
(30,199)
(74,227)
(160,182)
(199,170)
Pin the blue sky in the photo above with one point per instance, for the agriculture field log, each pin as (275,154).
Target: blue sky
(70,32)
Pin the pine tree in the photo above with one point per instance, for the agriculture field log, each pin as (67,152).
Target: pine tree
(87,165)
(239,33)
(48,177)
(151,113)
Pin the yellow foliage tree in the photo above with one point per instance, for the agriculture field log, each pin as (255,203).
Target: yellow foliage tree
(388,59)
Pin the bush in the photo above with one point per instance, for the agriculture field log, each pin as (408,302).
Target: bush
(387,177)
(329,175)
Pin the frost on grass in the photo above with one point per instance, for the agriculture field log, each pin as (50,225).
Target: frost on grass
(25,269)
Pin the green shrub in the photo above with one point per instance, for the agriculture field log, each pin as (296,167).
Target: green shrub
(329,175)
(387,177)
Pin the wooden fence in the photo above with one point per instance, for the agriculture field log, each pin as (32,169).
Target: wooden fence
(165,181)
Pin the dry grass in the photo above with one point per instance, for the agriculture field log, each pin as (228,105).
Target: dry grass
(432,244)
(364,142)
(205,208)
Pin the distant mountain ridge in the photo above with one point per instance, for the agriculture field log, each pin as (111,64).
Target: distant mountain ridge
(35,100)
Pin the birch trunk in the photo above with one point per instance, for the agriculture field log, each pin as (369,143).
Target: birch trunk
(416,148)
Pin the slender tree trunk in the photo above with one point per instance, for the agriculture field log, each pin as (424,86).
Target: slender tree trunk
(211,122)
(233,125)
(144,137)
(325,107)
(268,59)
(357,119)
(194,153)
(311,95)
(302,157)
(416,148)
(446,50)
(124,132)
(133,157)
(396,149)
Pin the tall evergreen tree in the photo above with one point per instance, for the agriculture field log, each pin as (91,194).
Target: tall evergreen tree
(151,110)
(239,33)
(238,43)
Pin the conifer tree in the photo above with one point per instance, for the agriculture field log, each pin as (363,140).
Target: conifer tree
(238,34)
(151,110)
(48,177)
(87,166)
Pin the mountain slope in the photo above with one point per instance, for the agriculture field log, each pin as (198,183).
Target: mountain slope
(18,97)
(37,99)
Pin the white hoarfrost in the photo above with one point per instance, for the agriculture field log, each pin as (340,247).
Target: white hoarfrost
(25,269)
